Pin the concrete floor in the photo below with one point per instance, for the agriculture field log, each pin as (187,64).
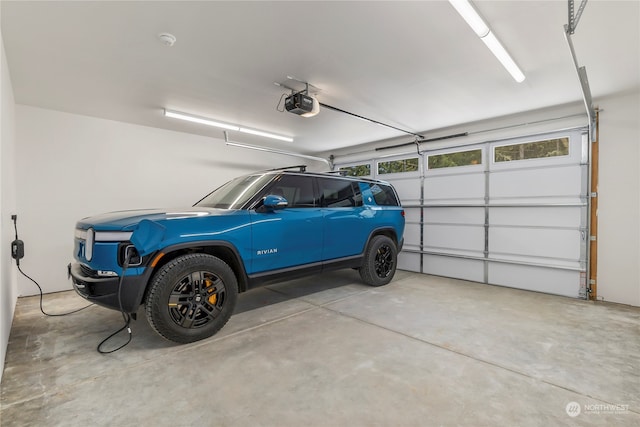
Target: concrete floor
(329,351)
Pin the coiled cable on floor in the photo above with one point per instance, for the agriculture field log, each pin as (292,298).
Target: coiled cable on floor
(41,295)
(15,226)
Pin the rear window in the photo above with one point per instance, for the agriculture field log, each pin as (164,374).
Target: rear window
(384,195)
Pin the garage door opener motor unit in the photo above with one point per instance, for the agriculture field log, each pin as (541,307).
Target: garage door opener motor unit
(299,103)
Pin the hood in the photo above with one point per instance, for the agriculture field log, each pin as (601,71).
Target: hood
(127,220)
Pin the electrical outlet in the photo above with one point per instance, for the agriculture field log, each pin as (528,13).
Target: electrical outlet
(14,217)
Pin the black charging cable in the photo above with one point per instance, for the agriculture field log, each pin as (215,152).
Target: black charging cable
(125,316)
(17,258)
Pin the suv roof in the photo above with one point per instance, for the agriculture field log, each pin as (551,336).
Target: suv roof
(302,170)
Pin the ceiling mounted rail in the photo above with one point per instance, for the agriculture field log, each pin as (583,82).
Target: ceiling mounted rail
(574,18)
(582,71)
(276,151)
(357,116)
(306,90)
(419,141)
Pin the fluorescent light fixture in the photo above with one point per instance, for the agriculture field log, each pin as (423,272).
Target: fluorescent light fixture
(470,15)
(482,30)
(200,120)
(209,122)
(266,134)
(505,59)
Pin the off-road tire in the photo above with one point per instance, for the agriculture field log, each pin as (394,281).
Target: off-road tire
(191,297)
(380,261)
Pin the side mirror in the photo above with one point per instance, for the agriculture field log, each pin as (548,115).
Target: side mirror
(273,202)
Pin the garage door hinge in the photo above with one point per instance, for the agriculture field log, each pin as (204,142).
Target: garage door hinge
(594,195)
(592,238)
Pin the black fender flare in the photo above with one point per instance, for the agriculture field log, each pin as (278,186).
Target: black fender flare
(159,255)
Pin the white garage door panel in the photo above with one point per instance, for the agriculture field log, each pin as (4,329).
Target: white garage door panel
(408,189)
(520,223)
(462,188)
(409,261)
(412,228)
(561,216)
(443,237)
(565,181)
(548,280)
(453,215)
(412,215)
(535,242)
(458,268)
(412,236)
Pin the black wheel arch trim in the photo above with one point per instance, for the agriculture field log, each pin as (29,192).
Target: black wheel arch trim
(180,247)
(385,231)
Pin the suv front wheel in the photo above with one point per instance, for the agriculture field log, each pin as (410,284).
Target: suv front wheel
(380,261)
(191,298)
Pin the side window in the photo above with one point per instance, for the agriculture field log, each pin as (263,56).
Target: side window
(339,193)
(298,190)
(384,195)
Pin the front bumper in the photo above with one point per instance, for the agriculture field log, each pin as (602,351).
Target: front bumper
(107,291)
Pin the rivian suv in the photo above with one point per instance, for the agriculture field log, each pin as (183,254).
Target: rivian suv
(187,265)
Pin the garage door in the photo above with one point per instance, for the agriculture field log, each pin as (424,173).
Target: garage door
(510,213)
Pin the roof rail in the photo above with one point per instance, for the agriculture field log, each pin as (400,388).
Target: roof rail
(301,168)
(338,172)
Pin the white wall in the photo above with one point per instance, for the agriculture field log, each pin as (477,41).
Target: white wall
(8,282)
(619,199)
(71,166)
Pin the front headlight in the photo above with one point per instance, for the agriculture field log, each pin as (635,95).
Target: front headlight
(113,236)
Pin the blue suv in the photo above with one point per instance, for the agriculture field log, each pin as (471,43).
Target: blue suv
(187,266)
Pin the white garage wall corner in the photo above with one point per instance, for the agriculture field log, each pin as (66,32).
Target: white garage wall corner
(8,279)
(71,166)
(619,199)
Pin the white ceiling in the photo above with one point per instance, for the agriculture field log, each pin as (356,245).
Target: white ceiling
(415,65)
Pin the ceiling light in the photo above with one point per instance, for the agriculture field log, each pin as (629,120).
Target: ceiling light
(209,122)
(505,59)
(200,120)
(266,134)
(477,24)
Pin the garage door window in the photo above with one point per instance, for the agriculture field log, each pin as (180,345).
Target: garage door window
(460,158)
(532,150)
(398,166)
(357,170)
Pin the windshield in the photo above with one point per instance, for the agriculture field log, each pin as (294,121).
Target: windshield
(235,194)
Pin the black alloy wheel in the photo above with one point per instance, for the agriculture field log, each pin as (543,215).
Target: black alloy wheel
(191,297)
(384,262)
(380,261)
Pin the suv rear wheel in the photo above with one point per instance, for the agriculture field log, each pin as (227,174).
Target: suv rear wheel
(380,260)
(191,298)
